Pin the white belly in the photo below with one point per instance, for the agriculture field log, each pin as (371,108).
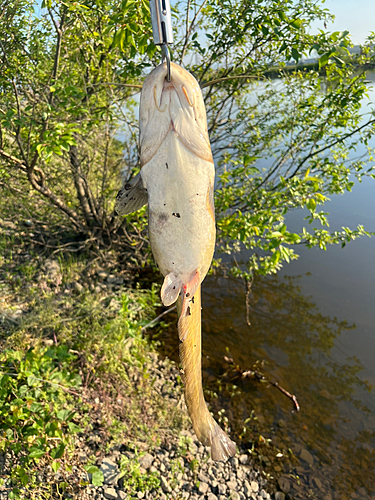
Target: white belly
(181,219)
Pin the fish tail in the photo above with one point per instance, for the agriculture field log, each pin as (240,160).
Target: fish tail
(205,427)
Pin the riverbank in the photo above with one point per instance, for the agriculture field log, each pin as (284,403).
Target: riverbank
(88,408)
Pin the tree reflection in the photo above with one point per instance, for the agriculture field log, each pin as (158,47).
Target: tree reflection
(301,351)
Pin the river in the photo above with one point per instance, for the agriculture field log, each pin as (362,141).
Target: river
(312,330)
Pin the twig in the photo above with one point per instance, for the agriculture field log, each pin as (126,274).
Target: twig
(258,375)
(114,84)
(235,77)
(155,320)
(189,29)
(247,299)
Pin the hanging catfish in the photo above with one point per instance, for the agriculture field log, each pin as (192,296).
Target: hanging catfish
(177,181)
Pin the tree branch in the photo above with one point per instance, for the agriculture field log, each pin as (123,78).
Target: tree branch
(218,80)
(190,28)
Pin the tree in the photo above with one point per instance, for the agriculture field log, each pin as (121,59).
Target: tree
(68,80)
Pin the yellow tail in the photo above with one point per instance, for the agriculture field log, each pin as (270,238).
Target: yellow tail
(205,427)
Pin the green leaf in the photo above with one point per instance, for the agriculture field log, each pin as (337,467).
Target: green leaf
(55,466)
(311,204)
(323,60)
(36,453)
(97,477)
(58,452)
(64,414)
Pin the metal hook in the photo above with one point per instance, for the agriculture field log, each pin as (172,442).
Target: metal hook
(166,57)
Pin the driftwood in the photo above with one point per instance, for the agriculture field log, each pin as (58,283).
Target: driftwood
(255,374)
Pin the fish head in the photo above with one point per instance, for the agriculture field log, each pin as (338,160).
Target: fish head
(175,107)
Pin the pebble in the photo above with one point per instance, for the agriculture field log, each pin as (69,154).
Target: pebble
(203,477)
(254,486)
(211,496)
(110,493)
(222,488)
(234,495)
(244,459)
(203,488)
(110,471)
(165,485)
(232,485)
(247,489)
(146,461)
(122,495)
(284,484)
(279,495)
(306,456)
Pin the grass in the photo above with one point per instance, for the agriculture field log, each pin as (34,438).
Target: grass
(74,365)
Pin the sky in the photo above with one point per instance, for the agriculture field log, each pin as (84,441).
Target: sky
(356,16)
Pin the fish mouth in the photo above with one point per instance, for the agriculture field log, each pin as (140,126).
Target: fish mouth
(163,102)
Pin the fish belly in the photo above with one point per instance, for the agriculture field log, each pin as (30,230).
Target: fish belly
(181,212)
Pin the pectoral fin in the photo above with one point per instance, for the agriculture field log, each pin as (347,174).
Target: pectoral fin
(170,289)
(131,197)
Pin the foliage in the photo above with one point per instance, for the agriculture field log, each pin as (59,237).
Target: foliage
(72,365)
(136,480)
(283,138)
(36,409)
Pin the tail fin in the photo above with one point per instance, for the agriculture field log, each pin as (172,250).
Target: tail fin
(222,447)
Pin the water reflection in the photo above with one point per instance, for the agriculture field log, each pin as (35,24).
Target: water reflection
(333,436)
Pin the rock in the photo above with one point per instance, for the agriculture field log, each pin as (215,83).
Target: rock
(110,493)
(203,477)
(140,494)
(241,473)
(77,287)
(211,496)
(244,459)
(203,488)
(165,485)
(122,495)
(284,484)
(254,486)
(233,495)
(110,471)
(52,271)
(279,495)
(102,275)
(317,483)
(232,485)
(221,488)
(115,280)
(247,489)
(306,456)
(146,461)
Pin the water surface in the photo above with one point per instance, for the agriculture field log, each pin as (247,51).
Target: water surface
(313,328)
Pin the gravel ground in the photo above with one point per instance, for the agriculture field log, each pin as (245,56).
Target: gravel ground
(209,480)
(184,466)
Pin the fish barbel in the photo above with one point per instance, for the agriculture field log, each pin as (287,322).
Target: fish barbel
(177,181)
